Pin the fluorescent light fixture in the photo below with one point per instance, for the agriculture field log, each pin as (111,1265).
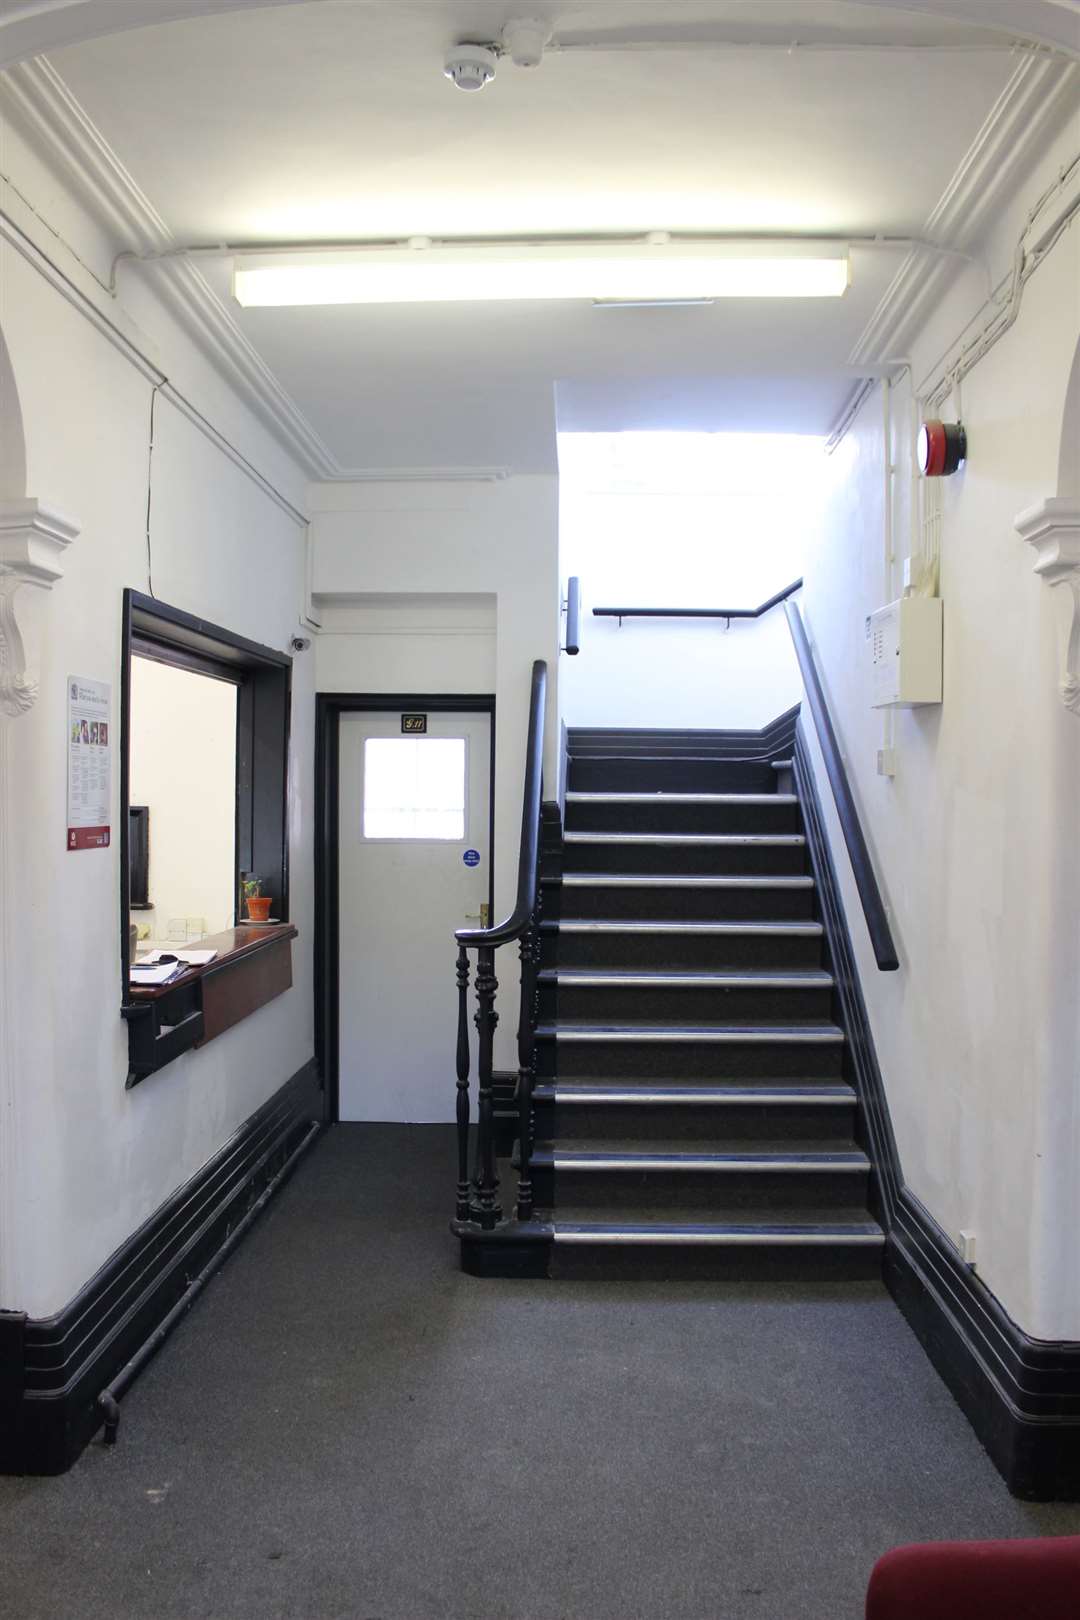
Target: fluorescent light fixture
(483,272)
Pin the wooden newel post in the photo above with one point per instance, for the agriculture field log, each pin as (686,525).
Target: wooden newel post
(463,1084)
(488,1210)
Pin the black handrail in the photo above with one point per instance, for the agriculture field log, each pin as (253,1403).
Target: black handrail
(698,613)
(877,922)
(573,616)
(529,853)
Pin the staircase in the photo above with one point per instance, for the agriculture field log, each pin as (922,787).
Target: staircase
(691,1112)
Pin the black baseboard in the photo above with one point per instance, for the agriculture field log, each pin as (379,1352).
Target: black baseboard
(53,1369)
(770,742)
(1021,1395)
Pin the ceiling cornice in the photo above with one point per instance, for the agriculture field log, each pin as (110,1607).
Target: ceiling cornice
(63,129)
(1008,140)
(72,141)
(419,475)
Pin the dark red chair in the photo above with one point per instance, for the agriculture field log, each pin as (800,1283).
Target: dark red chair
(978,1580)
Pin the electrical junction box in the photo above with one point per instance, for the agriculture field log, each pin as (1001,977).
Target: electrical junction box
(905,652)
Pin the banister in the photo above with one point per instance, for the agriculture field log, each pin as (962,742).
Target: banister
(698,613)
(877,922)
(529,853)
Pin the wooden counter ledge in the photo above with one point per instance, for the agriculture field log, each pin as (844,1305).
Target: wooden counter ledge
(252,966)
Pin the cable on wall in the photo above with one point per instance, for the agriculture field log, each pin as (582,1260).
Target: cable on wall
(51,228)
(947,374)
(1003,301)
(150,488)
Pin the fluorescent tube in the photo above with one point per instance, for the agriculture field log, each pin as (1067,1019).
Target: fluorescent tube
(483,273)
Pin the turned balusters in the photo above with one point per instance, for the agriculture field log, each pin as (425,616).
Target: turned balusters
(477,1199)
(529,950)
(488,1210)
(463,1084)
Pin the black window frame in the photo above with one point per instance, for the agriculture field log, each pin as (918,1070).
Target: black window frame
(263,678)
(138,858)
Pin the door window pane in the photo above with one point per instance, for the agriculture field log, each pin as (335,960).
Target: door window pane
(414,787)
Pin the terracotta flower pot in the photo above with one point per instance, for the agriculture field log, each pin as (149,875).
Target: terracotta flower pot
(258,907)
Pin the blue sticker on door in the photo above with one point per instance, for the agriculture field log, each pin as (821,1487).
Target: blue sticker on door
(471,857)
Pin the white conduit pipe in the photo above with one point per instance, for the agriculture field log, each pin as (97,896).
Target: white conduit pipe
(887,717)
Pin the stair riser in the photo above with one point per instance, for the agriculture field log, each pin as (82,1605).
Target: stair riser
(686,1190)
(609,903)
(744,1263)
(692,1122)
(682,818)
(673,775)
(688,1060)
(698,860)
(626,1005)
(701,953)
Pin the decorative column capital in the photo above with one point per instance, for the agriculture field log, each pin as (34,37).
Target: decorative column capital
(1053,528)
(33,539)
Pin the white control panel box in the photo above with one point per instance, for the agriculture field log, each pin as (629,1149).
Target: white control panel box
(905,652)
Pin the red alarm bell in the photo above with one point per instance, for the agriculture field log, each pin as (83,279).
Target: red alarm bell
(942,446)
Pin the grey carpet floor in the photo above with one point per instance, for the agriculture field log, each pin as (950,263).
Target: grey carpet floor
(346,1427)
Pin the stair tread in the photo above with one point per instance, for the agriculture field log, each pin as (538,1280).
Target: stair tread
(809,1031)
(785,840)
(825,1154)
(662,797)
(631,1226)
(585,925)
(662,757)
(679,880)
(675,978)
(673,1093)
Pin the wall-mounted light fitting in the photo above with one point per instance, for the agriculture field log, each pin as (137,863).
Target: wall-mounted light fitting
(645,270)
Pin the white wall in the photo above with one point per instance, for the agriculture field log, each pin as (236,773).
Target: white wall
(975,840)
(182,754)
(682,520)
(421,642)
(487,554)
(671,673)
(83,1160)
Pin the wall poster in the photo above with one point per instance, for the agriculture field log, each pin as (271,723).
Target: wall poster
(89,747)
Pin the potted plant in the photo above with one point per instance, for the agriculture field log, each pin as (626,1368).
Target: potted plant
(258,905)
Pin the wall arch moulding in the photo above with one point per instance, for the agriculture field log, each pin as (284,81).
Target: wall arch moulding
(35,26)
(33,540)
(1052,527)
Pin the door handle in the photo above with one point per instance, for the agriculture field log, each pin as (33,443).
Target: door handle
(483,915)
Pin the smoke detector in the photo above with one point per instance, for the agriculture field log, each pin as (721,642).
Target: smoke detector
(470,67)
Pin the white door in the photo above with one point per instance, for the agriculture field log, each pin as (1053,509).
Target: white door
(414,819)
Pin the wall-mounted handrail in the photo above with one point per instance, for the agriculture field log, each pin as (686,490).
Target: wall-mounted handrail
(877,922)
(573,616)
(529,851)
(621,613)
